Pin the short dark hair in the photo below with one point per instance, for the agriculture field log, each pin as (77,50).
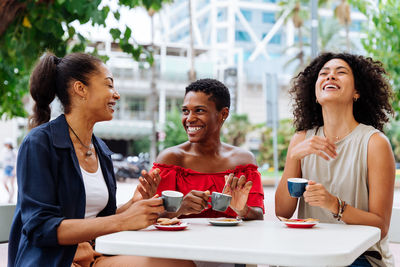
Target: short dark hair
(52,76)
(370,81)
(217,91)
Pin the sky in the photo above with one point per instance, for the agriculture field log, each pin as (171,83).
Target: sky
(137,19)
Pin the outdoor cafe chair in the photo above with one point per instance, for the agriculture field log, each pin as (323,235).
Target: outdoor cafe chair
(6,216)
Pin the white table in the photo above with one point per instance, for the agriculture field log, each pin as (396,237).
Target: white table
(252,242)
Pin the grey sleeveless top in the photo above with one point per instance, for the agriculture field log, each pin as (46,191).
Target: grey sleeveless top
(345,176)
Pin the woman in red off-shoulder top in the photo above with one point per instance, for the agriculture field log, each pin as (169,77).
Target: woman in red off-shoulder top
(204,164)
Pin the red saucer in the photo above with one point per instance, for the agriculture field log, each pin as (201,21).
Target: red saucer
(300,224)
(175,227)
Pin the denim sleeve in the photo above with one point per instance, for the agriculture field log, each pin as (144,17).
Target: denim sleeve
(37,179)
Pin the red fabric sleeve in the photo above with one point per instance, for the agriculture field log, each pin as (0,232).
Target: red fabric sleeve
(256,195)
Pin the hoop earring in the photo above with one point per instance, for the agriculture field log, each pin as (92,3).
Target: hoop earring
(355,99)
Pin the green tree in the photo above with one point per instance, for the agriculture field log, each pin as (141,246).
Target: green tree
(174,132)
(266,153)
(383,38)
(299,13)
(30,27)
(139,145)
(392,130)
(329,39)
(235,129)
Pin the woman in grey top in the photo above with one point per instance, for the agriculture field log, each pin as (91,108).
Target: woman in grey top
(341,102)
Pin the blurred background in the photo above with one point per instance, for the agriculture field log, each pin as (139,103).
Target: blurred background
(155,48)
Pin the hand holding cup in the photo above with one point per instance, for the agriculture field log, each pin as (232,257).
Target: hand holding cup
(194,202)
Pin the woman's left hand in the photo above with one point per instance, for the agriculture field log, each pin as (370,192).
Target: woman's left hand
(239,189)
(317,195)
(148,184)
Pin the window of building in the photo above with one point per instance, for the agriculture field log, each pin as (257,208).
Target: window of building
(173,103)
(136,107)
(122,73)
(246,14)
(275,55)
(305,39)
(246,55)
(242,36)
(221,14)
(356,26)
(276,39)
(268,17)
(115,47)
(222,36)
(202,3)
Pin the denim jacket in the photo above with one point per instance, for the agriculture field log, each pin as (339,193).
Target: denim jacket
(51,189)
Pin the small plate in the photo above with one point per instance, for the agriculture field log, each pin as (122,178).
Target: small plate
(224,221)
(174,227)
(300,224)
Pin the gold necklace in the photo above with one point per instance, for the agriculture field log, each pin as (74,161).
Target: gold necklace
(89,148)
(337,137)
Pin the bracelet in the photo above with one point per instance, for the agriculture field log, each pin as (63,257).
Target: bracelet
(336,215)
(341,207)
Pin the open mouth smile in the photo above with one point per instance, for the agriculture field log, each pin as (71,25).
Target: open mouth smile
(192,130)
(111,105)
(330,87)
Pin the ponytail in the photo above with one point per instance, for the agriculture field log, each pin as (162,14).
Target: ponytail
(43,89)
(52,76)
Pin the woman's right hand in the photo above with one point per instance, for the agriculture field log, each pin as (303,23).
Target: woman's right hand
(194,202)
(142,213)
(318,145)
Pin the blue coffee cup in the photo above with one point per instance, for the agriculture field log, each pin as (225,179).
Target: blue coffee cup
(297,186)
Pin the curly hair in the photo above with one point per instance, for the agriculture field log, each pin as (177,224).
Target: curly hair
(370,81)
(217,91)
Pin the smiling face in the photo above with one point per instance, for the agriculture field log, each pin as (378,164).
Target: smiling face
(101,94)
(335,83)
(200,118)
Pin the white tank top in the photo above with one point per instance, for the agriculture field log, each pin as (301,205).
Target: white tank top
(345,176)
(96,191)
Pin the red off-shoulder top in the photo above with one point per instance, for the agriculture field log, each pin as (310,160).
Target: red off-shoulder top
(185,180)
